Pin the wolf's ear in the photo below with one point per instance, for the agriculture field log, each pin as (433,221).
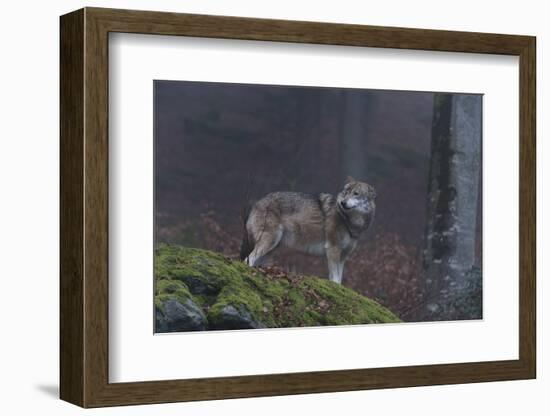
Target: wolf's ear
(350,179)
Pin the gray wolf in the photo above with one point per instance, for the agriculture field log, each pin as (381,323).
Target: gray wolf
(320,225)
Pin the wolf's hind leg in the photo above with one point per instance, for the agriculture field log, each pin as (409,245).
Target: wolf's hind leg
(267,242)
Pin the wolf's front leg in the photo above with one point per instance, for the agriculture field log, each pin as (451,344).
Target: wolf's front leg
(335,264)
(340,270)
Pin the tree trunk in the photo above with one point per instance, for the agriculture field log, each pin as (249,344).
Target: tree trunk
(453,193)
(354,112)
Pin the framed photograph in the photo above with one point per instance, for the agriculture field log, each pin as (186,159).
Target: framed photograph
(255,207)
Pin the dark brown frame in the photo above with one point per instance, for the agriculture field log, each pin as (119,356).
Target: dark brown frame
(84,209)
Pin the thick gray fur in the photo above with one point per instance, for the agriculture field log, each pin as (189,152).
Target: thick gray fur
(319,225)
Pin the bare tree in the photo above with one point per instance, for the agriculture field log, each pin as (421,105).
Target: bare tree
(355,110)
(452,198)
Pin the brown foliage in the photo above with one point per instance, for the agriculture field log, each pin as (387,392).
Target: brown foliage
(385,268)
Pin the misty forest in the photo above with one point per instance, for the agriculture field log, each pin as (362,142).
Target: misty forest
(221,147)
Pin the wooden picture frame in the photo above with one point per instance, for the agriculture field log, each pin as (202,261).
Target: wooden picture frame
(84,207)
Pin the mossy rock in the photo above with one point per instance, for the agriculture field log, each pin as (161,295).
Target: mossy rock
(232,295)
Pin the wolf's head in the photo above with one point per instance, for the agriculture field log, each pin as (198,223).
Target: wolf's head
(357,197)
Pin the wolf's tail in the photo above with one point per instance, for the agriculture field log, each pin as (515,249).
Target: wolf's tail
(246,246)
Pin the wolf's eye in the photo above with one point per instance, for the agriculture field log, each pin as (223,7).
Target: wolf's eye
(355,193)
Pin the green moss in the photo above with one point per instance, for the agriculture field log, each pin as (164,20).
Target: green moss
(171,289)
(214,281)
(207,271)
(346,306)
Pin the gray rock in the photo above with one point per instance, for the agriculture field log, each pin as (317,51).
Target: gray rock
(231,317)
(199,286)
(177,317)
